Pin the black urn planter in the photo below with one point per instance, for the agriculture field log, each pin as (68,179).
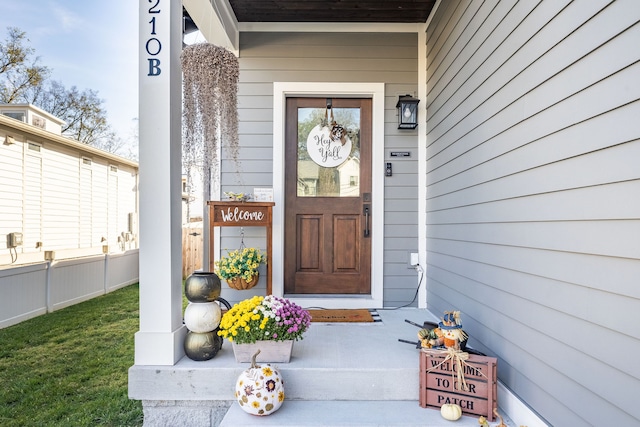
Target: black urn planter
(202,346)
(202,286)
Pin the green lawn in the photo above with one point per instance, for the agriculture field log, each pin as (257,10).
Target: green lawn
(69,368)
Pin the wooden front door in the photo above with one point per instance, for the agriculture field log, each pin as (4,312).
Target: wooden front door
(328,196)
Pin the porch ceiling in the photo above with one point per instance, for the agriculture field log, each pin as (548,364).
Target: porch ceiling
(373,11)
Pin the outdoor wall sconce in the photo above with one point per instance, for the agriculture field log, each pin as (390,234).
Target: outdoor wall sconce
(407,112)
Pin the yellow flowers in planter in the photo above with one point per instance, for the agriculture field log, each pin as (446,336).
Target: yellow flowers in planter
(241,263)
(267,318)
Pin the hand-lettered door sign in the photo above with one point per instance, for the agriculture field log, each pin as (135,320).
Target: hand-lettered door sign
(329,146)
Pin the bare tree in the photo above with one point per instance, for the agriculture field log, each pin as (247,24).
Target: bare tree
(19,68)
(85,119)
(22,79)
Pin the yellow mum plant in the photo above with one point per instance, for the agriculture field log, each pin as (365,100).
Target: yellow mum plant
(240,263)
(261,318)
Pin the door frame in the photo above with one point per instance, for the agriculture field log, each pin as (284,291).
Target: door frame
(375,91)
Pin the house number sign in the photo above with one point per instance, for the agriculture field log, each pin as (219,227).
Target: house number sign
(153,46)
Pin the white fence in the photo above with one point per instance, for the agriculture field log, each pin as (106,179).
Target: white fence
(31,290)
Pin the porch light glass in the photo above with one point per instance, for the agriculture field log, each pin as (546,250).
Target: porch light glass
(407,112)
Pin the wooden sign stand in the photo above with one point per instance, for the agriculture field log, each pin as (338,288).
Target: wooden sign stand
(438,384)
(242,214)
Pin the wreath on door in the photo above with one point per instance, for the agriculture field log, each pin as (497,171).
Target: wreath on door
(328,143)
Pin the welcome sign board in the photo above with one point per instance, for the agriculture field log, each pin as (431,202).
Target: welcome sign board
(439,383)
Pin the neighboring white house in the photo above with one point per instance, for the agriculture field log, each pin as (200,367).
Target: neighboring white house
(58,194)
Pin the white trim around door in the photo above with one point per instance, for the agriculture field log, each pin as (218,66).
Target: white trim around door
(375,91)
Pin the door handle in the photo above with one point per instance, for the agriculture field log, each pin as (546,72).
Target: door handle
(366,210)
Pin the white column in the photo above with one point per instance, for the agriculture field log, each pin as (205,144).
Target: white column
(422,163)
(160,338)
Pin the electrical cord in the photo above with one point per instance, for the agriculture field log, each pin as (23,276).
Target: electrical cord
(13,259)
(418,268)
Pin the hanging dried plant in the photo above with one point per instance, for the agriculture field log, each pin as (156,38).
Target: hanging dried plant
(209,110)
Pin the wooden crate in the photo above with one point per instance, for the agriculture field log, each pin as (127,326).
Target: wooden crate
(438,386)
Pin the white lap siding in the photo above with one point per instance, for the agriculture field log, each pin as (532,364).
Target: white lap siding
(11,178)
(61,198)
(62,194)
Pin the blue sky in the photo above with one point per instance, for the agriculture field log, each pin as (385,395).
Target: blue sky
(89,44)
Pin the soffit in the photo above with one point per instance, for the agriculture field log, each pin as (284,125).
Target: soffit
(333,11)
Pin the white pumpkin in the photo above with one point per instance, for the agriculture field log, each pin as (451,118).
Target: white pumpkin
(260,389)
(451,411)
(202,317)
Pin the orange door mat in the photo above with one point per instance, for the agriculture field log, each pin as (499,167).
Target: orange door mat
(341,316)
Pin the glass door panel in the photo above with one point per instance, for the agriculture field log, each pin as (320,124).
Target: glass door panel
(328,152)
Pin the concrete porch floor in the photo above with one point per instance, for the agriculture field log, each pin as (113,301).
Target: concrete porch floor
(341,374)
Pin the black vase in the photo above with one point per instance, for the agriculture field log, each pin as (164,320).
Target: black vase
(202,286)
(204,346)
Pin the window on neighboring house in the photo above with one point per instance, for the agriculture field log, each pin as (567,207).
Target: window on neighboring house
(353,180)
(18,115)
(34,147)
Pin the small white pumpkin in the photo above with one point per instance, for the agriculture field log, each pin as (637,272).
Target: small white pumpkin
(202,317)
(451,411)
(260,389)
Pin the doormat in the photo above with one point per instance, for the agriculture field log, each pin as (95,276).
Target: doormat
(342,316)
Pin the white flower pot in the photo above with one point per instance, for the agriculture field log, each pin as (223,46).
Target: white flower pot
(270,351)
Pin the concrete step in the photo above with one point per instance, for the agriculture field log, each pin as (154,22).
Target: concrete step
(300,413)
(335,361)
(339,375)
